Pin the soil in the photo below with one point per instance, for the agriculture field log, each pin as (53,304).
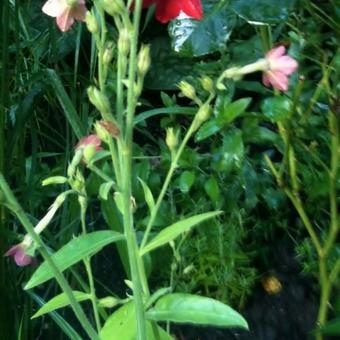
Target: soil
(287,312)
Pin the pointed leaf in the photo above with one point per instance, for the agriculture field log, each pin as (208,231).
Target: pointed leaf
(73,252)
(148,195)
(233,110)
(104,189)
(60,301)
(170,233)
(122,325)
(187,308)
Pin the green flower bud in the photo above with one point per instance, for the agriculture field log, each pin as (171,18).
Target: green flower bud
(54,180)
(171,139)
(203,113)
(89,152)
(91,22)
(108,302)
(108,53)
(124,41)
(113,7)
(99,100)
(144,60)
(207,84)
(187,90)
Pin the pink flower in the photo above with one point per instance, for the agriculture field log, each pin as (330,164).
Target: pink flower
(66,11)
(167,10)
(18,252)
(280,66)
(92,140)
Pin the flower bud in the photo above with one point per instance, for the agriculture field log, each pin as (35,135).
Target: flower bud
(105,130)
(207,84)
(113,7)
(187,90)
(203,113)
(171,139)
(99,100)
(108,302)
(89,152)
(54,180)
(108,53)
(144,61)
(124,41)
(91,22)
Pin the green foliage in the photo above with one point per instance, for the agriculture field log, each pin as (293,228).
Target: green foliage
(74,251)
(186,308)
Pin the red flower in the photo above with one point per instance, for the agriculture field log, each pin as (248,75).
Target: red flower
(167,10)
(18,252)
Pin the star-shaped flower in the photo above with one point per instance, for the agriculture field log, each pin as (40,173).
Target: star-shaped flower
(280,66)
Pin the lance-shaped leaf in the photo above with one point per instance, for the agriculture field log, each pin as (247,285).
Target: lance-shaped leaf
(73,252)
(187,308)
(170,233)
(60,301)
(122,325)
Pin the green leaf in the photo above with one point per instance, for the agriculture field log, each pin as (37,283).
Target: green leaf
(187,308)
(67,329)
(277,108)
(148,195)
(212,189)
(60,301)
(122,325)
(175,110)
(207,129)
(331,327)
(200,37)
(263,11)
(104,189)
(233,110)
(186,180)
(73,252)
(170,233)
(168,68)
(66,103)
(231,155)
(113,219)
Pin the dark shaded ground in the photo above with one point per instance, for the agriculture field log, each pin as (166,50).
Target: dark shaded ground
(287,315)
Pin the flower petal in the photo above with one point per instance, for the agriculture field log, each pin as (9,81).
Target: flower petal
(90,140)
(22,259)
(11,251)
(54,8)
(276,52)
(167,10)
(66,20)
(286,65)
(79,12)
(278,80)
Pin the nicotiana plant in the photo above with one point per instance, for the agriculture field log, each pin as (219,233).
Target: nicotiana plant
(137,315)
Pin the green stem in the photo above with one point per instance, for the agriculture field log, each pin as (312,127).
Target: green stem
(99,172)
(126,151)
(87,263)
(334,223)
(115,161)
(166,183)
(295,199)
(19,212)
